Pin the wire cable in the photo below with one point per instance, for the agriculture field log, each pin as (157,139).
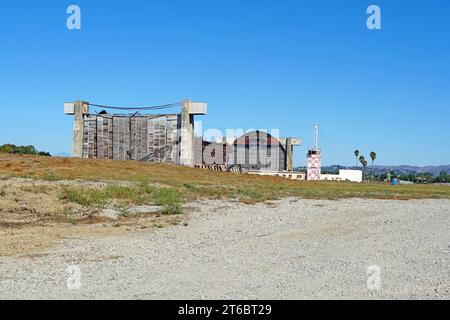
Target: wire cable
(298,128)
(331,145)
(165,106)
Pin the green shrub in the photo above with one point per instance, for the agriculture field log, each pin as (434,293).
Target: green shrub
(169,199)
(11,148)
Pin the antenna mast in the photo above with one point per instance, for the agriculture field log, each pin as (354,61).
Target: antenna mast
(316,137)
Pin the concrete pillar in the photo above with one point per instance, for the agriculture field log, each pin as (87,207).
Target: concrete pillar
(289,155)
(187,135)
(81,108)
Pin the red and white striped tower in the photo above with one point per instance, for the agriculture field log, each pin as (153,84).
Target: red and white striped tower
(314,160)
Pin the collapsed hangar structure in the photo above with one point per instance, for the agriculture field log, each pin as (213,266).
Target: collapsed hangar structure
(170,138)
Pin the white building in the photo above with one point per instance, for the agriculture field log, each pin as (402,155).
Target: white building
(294,175)
(344,175)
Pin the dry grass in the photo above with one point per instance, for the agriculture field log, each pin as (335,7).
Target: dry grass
(62,197)
(192,183)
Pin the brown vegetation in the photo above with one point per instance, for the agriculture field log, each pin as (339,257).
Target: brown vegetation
(45,199)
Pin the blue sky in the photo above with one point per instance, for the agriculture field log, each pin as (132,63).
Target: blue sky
(259,64)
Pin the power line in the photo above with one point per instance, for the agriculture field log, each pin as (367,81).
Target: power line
(332,146)
(298,128)
(160,107)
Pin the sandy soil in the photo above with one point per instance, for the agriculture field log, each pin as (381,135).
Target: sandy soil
(33,218)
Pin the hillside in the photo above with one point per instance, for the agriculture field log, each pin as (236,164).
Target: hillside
(193,183)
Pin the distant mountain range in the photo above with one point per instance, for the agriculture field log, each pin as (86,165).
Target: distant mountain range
(405,169)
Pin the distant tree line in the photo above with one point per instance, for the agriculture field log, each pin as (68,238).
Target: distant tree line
(13,149)
(422,178)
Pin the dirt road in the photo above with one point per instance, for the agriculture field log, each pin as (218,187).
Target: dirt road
(293,249)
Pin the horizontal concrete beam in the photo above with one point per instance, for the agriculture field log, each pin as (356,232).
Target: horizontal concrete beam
(294,141)
(198,108)
(72,108)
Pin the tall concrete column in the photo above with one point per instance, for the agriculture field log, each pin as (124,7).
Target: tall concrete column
(289,156)
(187,135)
(80,109)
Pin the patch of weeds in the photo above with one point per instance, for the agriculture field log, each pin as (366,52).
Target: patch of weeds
(25,176)
(214,192)
(250,193)
(144,185)
(169,199)
(50,176)
(85,197)
(130,195)
(190,186)
(142,193)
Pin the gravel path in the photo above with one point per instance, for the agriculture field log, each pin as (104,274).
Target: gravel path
(295,249)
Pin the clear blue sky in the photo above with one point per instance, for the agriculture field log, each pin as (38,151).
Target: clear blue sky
(259,64)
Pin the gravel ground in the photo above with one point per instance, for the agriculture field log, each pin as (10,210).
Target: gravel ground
(295,249)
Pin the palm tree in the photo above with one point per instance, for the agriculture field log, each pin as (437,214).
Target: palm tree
(357,155)
(364,166)
(373,156)
(363,161)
